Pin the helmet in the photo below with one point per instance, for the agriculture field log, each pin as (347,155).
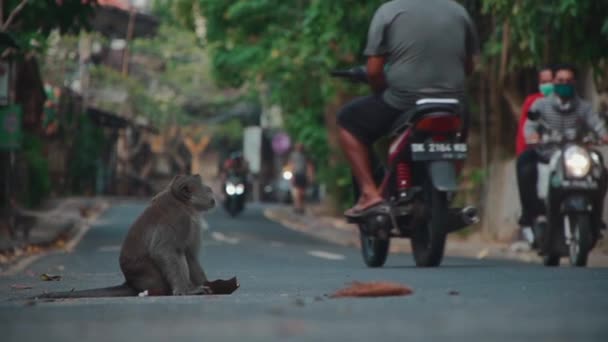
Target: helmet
(236,155)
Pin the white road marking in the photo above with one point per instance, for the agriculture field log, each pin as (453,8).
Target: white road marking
(276,244)
(109,248)
(326,255)
(223,238)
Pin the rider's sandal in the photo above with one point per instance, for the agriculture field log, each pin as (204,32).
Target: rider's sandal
(378,208)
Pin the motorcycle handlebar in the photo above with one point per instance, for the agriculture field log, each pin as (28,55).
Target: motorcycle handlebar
(356,74)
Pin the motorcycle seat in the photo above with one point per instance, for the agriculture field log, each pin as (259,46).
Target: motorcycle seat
(424,107)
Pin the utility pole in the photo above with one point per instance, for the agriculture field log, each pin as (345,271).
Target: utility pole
(130,29)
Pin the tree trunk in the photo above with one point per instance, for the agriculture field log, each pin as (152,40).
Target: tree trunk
(335,155)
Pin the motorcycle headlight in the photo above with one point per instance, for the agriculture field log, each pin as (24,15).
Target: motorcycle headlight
(287,175)
(239,189)
(230,189)
(577,161)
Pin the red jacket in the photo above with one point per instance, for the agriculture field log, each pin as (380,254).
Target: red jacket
(521,141)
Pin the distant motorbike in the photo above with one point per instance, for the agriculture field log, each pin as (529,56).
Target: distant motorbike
(572,185)
(235,194)
(283,185)
(419,181)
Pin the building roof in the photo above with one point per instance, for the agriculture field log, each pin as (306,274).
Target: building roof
(112,20)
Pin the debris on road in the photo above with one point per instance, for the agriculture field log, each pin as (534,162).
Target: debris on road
(299,302)
(454,293)
(223,287)
(373,289)
(50,277)
(20,287)
(483,254)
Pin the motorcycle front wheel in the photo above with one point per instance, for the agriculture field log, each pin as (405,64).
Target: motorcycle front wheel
(582,241)
(428,240)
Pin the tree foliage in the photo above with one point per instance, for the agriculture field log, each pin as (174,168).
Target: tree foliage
(285,49)
(290,45)
(33,20)
(544,31)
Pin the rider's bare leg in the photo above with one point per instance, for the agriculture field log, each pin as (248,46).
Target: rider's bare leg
(358,156)
(298,199)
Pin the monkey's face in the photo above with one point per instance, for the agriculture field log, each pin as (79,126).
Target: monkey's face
(192,189)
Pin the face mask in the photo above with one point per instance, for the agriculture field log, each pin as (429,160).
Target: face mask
(564,90)
(546,89)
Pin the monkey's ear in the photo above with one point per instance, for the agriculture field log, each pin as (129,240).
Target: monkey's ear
(176,179)
(186,189)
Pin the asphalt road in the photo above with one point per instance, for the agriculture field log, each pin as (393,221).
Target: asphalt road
(284,278)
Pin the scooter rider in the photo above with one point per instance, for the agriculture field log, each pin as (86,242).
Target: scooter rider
(562,111)
(427,47)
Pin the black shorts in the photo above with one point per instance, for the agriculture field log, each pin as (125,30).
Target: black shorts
(300,180)
(368,118)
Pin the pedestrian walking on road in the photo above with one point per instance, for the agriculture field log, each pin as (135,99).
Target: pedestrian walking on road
(303,174)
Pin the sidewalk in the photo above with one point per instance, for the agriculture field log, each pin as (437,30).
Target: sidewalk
(59,221)
(338,231)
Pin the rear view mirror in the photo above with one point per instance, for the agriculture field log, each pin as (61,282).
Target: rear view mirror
(533,115)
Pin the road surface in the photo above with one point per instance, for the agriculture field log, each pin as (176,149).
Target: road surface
(285,277)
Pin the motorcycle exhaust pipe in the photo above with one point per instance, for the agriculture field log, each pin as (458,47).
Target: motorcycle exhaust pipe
(469,215)
(462,218)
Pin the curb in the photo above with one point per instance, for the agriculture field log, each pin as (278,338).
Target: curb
(455,247)
(64,240)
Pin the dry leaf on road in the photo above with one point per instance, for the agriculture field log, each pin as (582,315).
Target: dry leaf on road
(373,289)
(50,277)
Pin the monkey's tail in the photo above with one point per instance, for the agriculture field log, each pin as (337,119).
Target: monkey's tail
(123,290)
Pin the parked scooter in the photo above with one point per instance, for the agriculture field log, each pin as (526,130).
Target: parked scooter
(419,181)
(571,185)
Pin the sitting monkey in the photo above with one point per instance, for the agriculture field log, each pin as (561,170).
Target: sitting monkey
(160,252)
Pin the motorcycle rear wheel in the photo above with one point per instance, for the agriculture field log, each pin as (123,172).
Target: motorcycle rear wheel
(428,240)
(551,260)
(374,250)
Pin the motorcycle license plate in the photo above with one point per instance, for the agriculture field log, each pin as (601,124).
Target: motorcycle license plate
(439,151)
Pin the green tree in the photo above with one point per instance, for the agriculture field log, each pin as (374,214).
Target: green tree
(31,21)
(286,49)
(289,46)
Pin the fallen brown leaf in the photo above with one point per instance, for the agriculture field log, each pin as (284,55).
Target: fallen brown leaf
(373,289)
(20,287)
(50,277)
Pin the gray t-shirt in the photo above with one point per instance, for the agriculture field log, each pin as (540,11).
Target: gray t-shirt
(427,43)
(299,162)
(575,116)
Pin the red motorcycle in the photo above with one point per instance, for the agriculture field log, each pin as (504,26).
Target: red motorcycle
(419,181)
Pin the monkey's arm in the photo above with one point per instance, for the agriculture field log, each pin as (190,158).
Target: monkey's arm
(197,274)
(174,268)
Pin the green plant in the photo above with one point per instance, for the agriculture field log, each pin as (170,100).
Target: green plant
(38,178)
(86,150)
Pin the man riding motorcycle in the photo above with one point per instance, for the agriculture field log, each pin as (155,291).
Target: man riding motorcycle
(235,165)
(563,111)
(427,49)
